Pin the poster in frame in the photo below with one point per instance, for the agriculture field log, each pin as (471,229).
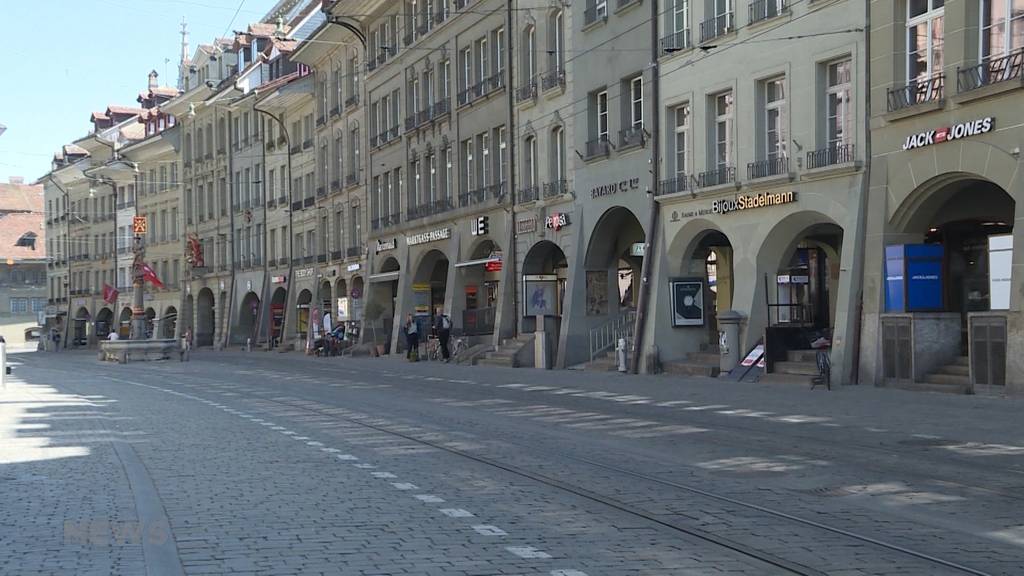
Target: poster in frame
(540,295)
(687,298)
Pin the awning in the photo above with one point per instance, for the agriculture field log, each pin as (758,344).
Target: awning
(384,277)
(479,262)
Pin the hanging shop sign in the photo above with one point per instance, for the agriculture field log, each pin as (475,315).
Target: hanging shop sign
(557,221)
(615,188)
(343,313)
(948,133)
(278,279)
(637,249)
(386,245)
(353,267)
(305,273)
(140,225)
(432,236)
(526,225)
(750,201)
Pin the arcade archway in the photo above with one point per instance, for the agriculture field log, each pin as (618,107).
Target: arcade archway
(170,322)
(104,323)
(480,278)
(81,333)
(278,300)
(205,318)
(613,262)
(430,284)
(124,323)
(150,322)
(302,305)
(248,314)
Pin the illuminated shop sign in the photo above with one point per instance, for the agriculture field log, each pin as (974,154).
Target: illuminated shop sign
(954,132)
(432,236)
(749,201)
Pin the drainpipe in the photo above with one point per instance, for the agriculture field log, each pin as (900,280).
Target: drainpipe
(862,207)
(652,223)
(265,291)
(291,236)
(67,251)
(231,235)
(511,144)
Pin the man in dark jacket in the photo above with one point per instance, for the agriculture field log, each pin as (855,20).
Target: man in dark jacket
(443,327)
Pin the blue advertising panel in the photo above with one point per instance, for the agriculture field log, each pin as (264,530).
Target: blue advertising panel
(923,277)
(895,285)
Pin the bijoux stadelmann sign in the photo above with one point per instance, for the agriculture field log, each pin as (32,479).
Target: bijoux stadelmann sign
(432,236)
(748,201)
(954,132)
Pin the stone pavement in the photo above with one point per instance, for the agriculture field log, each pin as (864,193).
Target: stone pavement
(281,464)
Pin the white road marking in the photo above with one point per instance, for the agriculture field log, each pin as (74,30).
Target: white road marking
(331,450)
(403,486)
(314,443)
(707,407)
(538,388)
(387,475)
(488,530)
(528,552)
(672,403)
(568,573)
(302,437)
(512,386)
(346,457)
(365,466)
(429,498)
(456,512)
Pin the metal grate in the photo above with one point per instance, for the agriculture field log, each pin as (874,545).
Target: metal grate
(988,350)
(897,351)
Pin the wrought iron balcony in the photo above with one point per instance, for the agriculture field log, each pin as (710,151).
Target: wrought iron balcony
(441,15)
(594,13)
(321,192)
(528,91)
(527,194)
(555,77)
(353,251)
(465,96)
(598,148)
(496,81)
(716,177)
(410,122)
(768,167)
(676,42)
(427,209)
(714,27)
(306,144)
(993,71)
(297,205)
(442,107)
(764,9)
(335,185)
(556,188)
(632,137)
(916,92)
(351,100)
(831,155)
(681,183)
(335,111)
(321,258)
(307,202)
(352,179)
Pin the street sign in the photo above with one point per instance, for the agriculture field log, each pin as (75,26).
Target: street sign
(139,225)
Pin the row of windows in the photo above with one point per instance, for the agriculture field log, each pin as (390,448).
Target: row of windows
(24,305)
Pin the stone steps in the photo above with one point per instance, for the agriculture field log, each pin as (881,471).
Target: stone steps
(796,368)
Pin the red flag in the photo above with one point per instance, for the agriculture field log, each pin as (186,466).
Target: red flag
(150,275)
(109,293)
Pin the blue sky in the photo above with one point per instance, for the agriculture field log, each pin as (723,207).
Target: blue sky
(62,61)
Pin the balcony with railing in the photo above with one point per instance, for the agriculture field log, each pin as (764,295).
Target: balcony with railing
(351,100)
(832,155)
(335,185)
(716,177)
(352,179)
(768,167)
(992,71)
(307,202)
(598,148)
(553,78)
(321,258)
(321,192)
(528,194)
(297,205)
(410,122)
(717,26)
(465,96)
(353,251)
(483,195)
(496,81)
(440,16)
(681,183)
(556,188)
(386,221)
(442,107)
(335,111)
(760,10)
(307,144)
(424,116)
(622,4)
(632,137)
(676,41)
(430,208)
(916,92)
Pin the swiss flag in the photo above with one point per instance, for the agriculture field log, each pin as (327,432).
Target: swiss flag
(150,275)
(109,293)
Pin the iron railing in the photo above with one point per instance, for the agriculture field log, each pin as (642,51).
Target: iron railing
(765,9)
(427,209)
(916,92)
(992,71)
(717,26)
(528,91)
(556,188)
(527,194)
(353,251)
(605,336)
(716,177)
(676,42)
(768,167)
(552,78)
(681,183)
(830,156)
(632,136)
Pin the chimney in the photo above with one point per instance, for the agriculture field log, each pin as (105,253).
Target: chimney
(16,180)
(153,84)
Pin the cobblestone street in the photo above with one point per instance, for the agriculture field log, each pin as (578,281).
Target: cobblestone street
(282,464)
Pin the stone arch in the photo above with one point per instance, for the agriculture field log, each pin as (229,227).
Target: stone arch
(104,322)
(248,315)
(205,318)
(151,322)
(170,322)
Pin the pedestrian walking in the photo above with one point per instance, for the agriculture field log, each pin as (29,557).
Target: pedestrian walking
(443,327)
(186,345)
(412,339)
(56,340)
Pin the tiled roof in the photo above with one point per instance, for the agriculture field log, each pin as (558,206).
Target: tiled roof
(127,110)
(15,225)
(97,116)
(278,82)
(75,150)
(134,131)
(265,29)
(285,46)
(21,198)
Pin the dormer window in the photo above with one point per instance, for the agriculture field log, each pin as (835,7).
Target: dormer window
(27,240)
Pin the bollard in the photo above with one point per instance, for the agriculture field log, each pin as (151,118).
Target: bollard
(620,353)
(248,344)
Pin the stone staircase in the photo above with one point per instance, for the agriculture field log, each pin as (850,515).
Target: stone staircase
(703,363)
(954,378)
(800,366)
(510,354)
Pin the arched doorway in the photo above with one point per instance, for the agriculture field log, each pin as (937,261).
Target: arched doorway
(384,285)
(302,305)
(357,297)
(277,304)
(248,313)
(950,263)
(480,278)
(324,306)
(150,322)
(205,318)
(545,273)
(170,323)
(124,323)
(104,323)
(81,333)
(710,261)
(613,262)
(429,287)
